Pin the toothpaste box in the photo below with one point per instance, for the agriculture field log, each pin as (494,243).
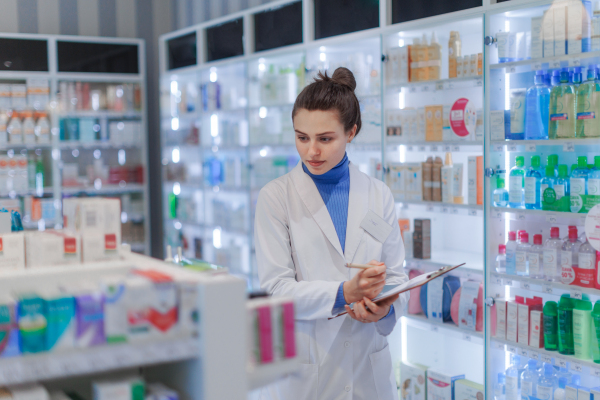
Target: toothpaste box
(89,314)
(413,381)
(113,290)
(9,328)
(32,323)
(49,248)
(12,251)
(467,390)
(60,320)
(93,215)
(158,391)
(440,385)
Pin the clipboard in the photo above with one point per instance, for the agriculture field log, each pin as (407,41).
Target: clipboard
(414,283)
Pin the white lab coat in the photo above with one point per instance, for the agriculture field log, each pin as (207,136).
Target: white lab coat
(299,255)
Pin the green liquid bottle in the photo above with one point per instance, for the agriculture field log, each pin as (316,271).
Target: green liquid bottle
(553,160)
(595,342)
(582,329)
(551,326)
(588,101)
(565,325)
(563,109)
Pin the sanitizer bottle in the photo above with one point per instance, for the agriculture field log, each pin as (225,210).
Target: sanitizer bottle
(500,387)
(547,182)
(533,177)
(516,184)
(594,178)
(511,250)
(537,107)
(559,393)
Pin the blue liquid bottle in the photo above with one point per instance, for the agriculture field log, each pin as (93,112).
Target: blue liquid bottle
(516,183)
(594,178)
(537,108)
(579,184)
(513,376)
(533,176)
(562,186)
(500,195)
(547,181)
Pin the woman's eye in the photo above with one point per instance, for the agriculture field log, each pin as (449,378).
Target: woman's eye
(325,139)
(302,138)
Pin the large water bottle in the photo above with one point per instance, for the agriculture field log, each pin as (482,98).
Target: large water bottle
(537,108)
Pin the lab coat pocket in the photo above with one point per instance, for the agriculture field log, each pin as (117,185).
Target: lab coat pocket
(385,383)
(301,385)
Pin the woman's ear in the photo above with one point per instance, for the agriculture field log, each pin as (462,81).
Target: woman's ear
(352,133)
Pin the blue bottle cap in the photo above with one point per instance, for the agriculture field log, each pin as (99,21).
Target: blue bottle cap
(501,378)
(577,70)
(556,72)
(562,382)
(532,364)
(576,379)
(539,72)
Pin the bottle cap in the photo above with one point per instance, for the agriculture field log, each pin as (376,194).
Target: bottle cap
(573,235)
(500,183)
(573,167)
(539,72)
(516,359)
(424,40)
(537,239)
(532,364)
(448,159)
(562,382)
(553,160)
(556,72)
(520,233)
(548,369)
(591,73)
(519,161)
(512,235)
(582,162)
(597,162)
(554,232)
(563,171)
(535,161)
(502,249)
(596,310)
(585,305)
(501,378)
(550,171)
(576,379)
(564,76)
(550,308)
(524,237)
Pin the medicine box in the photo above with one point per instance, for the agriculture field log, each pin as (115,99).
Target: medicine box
(468,390)
(49,248)
(12,251)
(441,385)
(413,381)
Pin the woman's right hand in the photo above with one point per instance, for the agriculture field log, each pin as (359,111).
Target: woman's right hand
(367,283)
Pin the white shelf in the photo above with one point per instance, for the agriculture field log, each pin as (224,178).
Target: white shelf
(508,144)
(523,214)
(264,374)
(101,114)
(105,189)
(440,84)
(539,285)
(569,60)
(448,146)
(440,258)
(32,146)
(421,321)
(444,208)
(44,366)
(97,144)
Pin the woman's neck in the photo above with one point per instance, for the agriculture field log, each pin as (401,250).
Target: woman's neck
(336,174)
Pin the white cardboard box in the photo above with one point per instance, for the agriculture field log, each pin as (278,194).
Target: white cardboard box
(48,248)
(12,251)
(468,390)
(500,319)
(440,385)
(511,321)
(548,33)
(412,386)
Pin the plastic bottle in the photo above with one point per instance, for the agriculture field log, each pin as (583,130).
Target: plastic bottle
(582,326)
(500,387)
(31,171)
(562,186)
(545,385)
(537,107)
(559,393)
(595,343)
(424,59)
(415,67)
(516,183)
(594,177)
(500,194)
(553,160)
(550,315)
(513,378)
(579,184)
(552,253)
(563,99)
(39,177)
(547,182)
(522,261)
(535,257)
(28,127)
(555,78)
(42,128)
(435,58)
(520,235)
(454,50)
(501,259)
(511,249)
(564,373)
(569,257)
(587,265)
(15,129)
(533,177)
(529,379)
(565,325)
(587,108)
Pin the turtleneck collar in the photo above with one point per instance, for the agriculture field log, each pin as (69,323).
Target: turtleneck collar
(336,174)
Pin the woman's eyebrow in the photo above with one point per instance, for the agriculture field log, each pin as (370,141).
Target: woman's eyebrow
(318,134)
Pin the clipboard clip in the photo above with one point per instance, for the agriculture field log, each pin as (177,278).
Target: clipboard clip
(442,271)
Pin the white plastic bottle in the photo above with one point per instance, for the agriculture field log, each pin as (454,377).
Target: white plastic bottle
(587,265)
(569,257)
(552,252)
(521,260)
(545,385)
(42,128)
(536,257)
(511,249)
(3,126)
(501,259)
(513,379)
(28,128)
(529,380)
(15,129)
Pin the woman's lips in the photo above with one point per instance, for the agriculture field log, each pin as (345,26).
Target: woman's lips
(316,163)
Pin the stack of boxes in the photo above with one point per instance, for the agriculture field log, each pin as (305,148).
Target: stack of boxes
(418,382)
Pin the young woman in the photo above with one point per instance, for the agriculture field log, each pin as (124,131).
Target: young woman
(309,224)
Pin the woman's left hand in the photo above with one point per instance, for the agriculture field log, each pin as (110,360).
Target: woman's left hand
(374,312)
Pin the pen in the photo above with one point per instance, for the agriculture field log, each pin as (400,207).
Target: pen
(359,266)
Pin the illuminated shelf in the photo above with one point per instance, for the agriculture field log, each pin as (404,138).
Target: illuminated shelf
(441,258)
(444,208)
(105,189)
(522,214)
(540,285)
(421,321)
(447,146)
(439,84)
(568,60)
(101,114)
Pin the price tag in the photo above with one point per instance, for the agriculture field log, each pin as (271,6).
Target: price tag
(445,210)
(430,208)
(456,148)
(534,354)
(561,362)
(409,148)
(498,148)
(546,358)
(434,148)
(497,214)
(512,349)
(454,210)
(425,88)
(575,62)
(596,372)
(568,146)
(434,328)
(525,285)
(512,147)
(466,337)
(576,366)
(447,148)
(530,148)
(451,85)
(546,288)
(422,148)
(555,64)
(552,218)
(439,86)
(523,352)
(537,66)
(499,346)
(479,83)
(576,294)
(412,89)
(508,282)
(521,217)
(472,212)
(510,70)
(498,280)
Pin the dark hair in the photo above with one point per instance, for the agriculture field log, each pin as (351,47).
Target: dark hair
(332,93)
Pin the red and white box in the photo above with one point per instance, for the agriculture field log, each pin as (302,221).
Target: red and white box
(524,318)
(93,216)
(536,329)
(48,248)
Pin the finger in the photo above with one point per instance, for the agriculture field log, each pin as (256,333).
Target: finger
(360,311)
(350,312)
(389,300)
(375,270)
(374,308)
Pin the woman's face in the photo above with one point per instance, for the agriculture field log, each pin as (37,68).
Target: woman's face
(320,139)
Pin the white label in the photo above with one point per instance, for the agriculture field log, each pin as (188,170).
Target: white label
(577,186)
(434,148)
(530,190)
(544,393)
(525,285)
(594,187)
(576,366)
(534,263)
(577,294)
(587,260)
(523,352)
(555,64)
(546,358)
(512,388)
(466,337)
(534,355)
(498,148)
(560,191)
(596,372)
(472,212)
(561,362)
(543,187)
(422,148)
(574,62)
(530,148)
(512,349)
(552,218)
(568,146)
(567,273)
(521,261)
(512,147)
(515,189)
(550,258)
(526,388)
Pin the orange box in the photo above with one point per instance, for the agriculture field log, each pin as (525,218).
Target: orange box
(404,225)
(480,180)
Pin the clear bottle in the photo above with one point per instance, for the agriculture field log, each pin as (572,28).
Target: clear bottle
(569,257)
(435,58)
(42,128)
(553,160)
(533,176)
(587,265)
(15,129)
(529,380)
(519,235)
(552,252)
(545,385)
(535,256)
(500,387)
(521,259)
(547,182)
(562,186)
(501,259)
(511,249)
(564,373)
(500,194)
(516,183)
(594,178)
(559,392)
(579,184)
(513,379)
(563,99)
(537,107)
(587,109)
(28,127)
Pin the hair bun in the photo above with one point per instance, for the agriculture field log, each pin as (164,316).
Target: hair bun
(343,76)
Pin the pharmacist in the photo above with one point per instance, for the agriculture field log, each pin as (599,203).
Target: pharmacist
(309,224)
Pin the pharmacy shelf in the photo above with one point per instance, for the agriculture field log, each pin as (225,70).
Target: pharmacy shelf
(97,145)
(44,366)
(28,146)
(421,321)
(523,214)
(101,114)
(105,189)
(569,60)
(264,374)
(473,267)
(540,286)
(552,357)
(436,85)
(227,189)
(446,146)
(444,208)
(530,145)
(270,105)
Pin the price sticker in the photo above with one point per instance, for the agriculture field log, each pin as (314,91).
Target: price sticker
(422,148)
(546,288)
(510,70)
(425,88)
(596,372)
(434,148)
(445,210)
(521,217)
(546,358)
(466,337)
(576,366)
(537,66)
(497,214)
(439,86)
(530,147)
(508,282)
(523,352)
(525,285)
(512,349)
(454,210)
(568,146)
(555,64)
(472,212)
(534,354)
(479,83)
(576,294)
(447,148)
(552,218)
(498,280)
(561,362)
(430,208)
(456,148)
(409,148)
(575,62)
(498,148)
(434,328)
(512,147)
(412,89)
(499,346)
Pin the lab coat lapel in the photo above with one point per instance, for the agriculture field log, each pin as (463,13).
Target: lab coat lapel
(358,206)
(314,203)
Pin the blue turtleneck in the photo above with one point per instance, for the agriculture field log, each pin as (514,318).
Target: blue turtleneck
(334,187)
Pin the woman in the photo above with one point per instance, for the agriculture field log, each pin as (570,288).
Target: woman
(309,224)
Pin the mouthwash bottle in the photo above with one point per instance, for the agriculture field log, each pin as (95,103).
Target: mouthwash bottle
(511,253)
(516,184)
(594,178)
(533,177)
(553,160)
(500,194)
(563,102)
(562,186)
(547,182)
(513,378)
(537,108)
(579,183)
(587,106)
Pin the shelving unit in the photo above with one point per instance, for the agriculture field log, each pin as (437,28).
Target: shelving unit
(445,328)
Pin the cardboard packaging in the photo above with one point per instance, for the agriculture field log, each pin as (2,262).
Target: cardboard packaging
(12,251)
(434,123)
(436,190)
(413,182)
(158,391)
(99,246)
(114,292)
(512,319)
(560,29)
(537,38)
(422,239)
(441,385)
(49,248)
(497,124)
(536,329)
(405,62)
(413,384)
(60,319)
(523,312)
(479,180)
(32,323)
(93,215)
(548,32)
(427,167)
(395,180)
(126,389)
(9,328)
(468,390)
(500,319)
(162,310)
